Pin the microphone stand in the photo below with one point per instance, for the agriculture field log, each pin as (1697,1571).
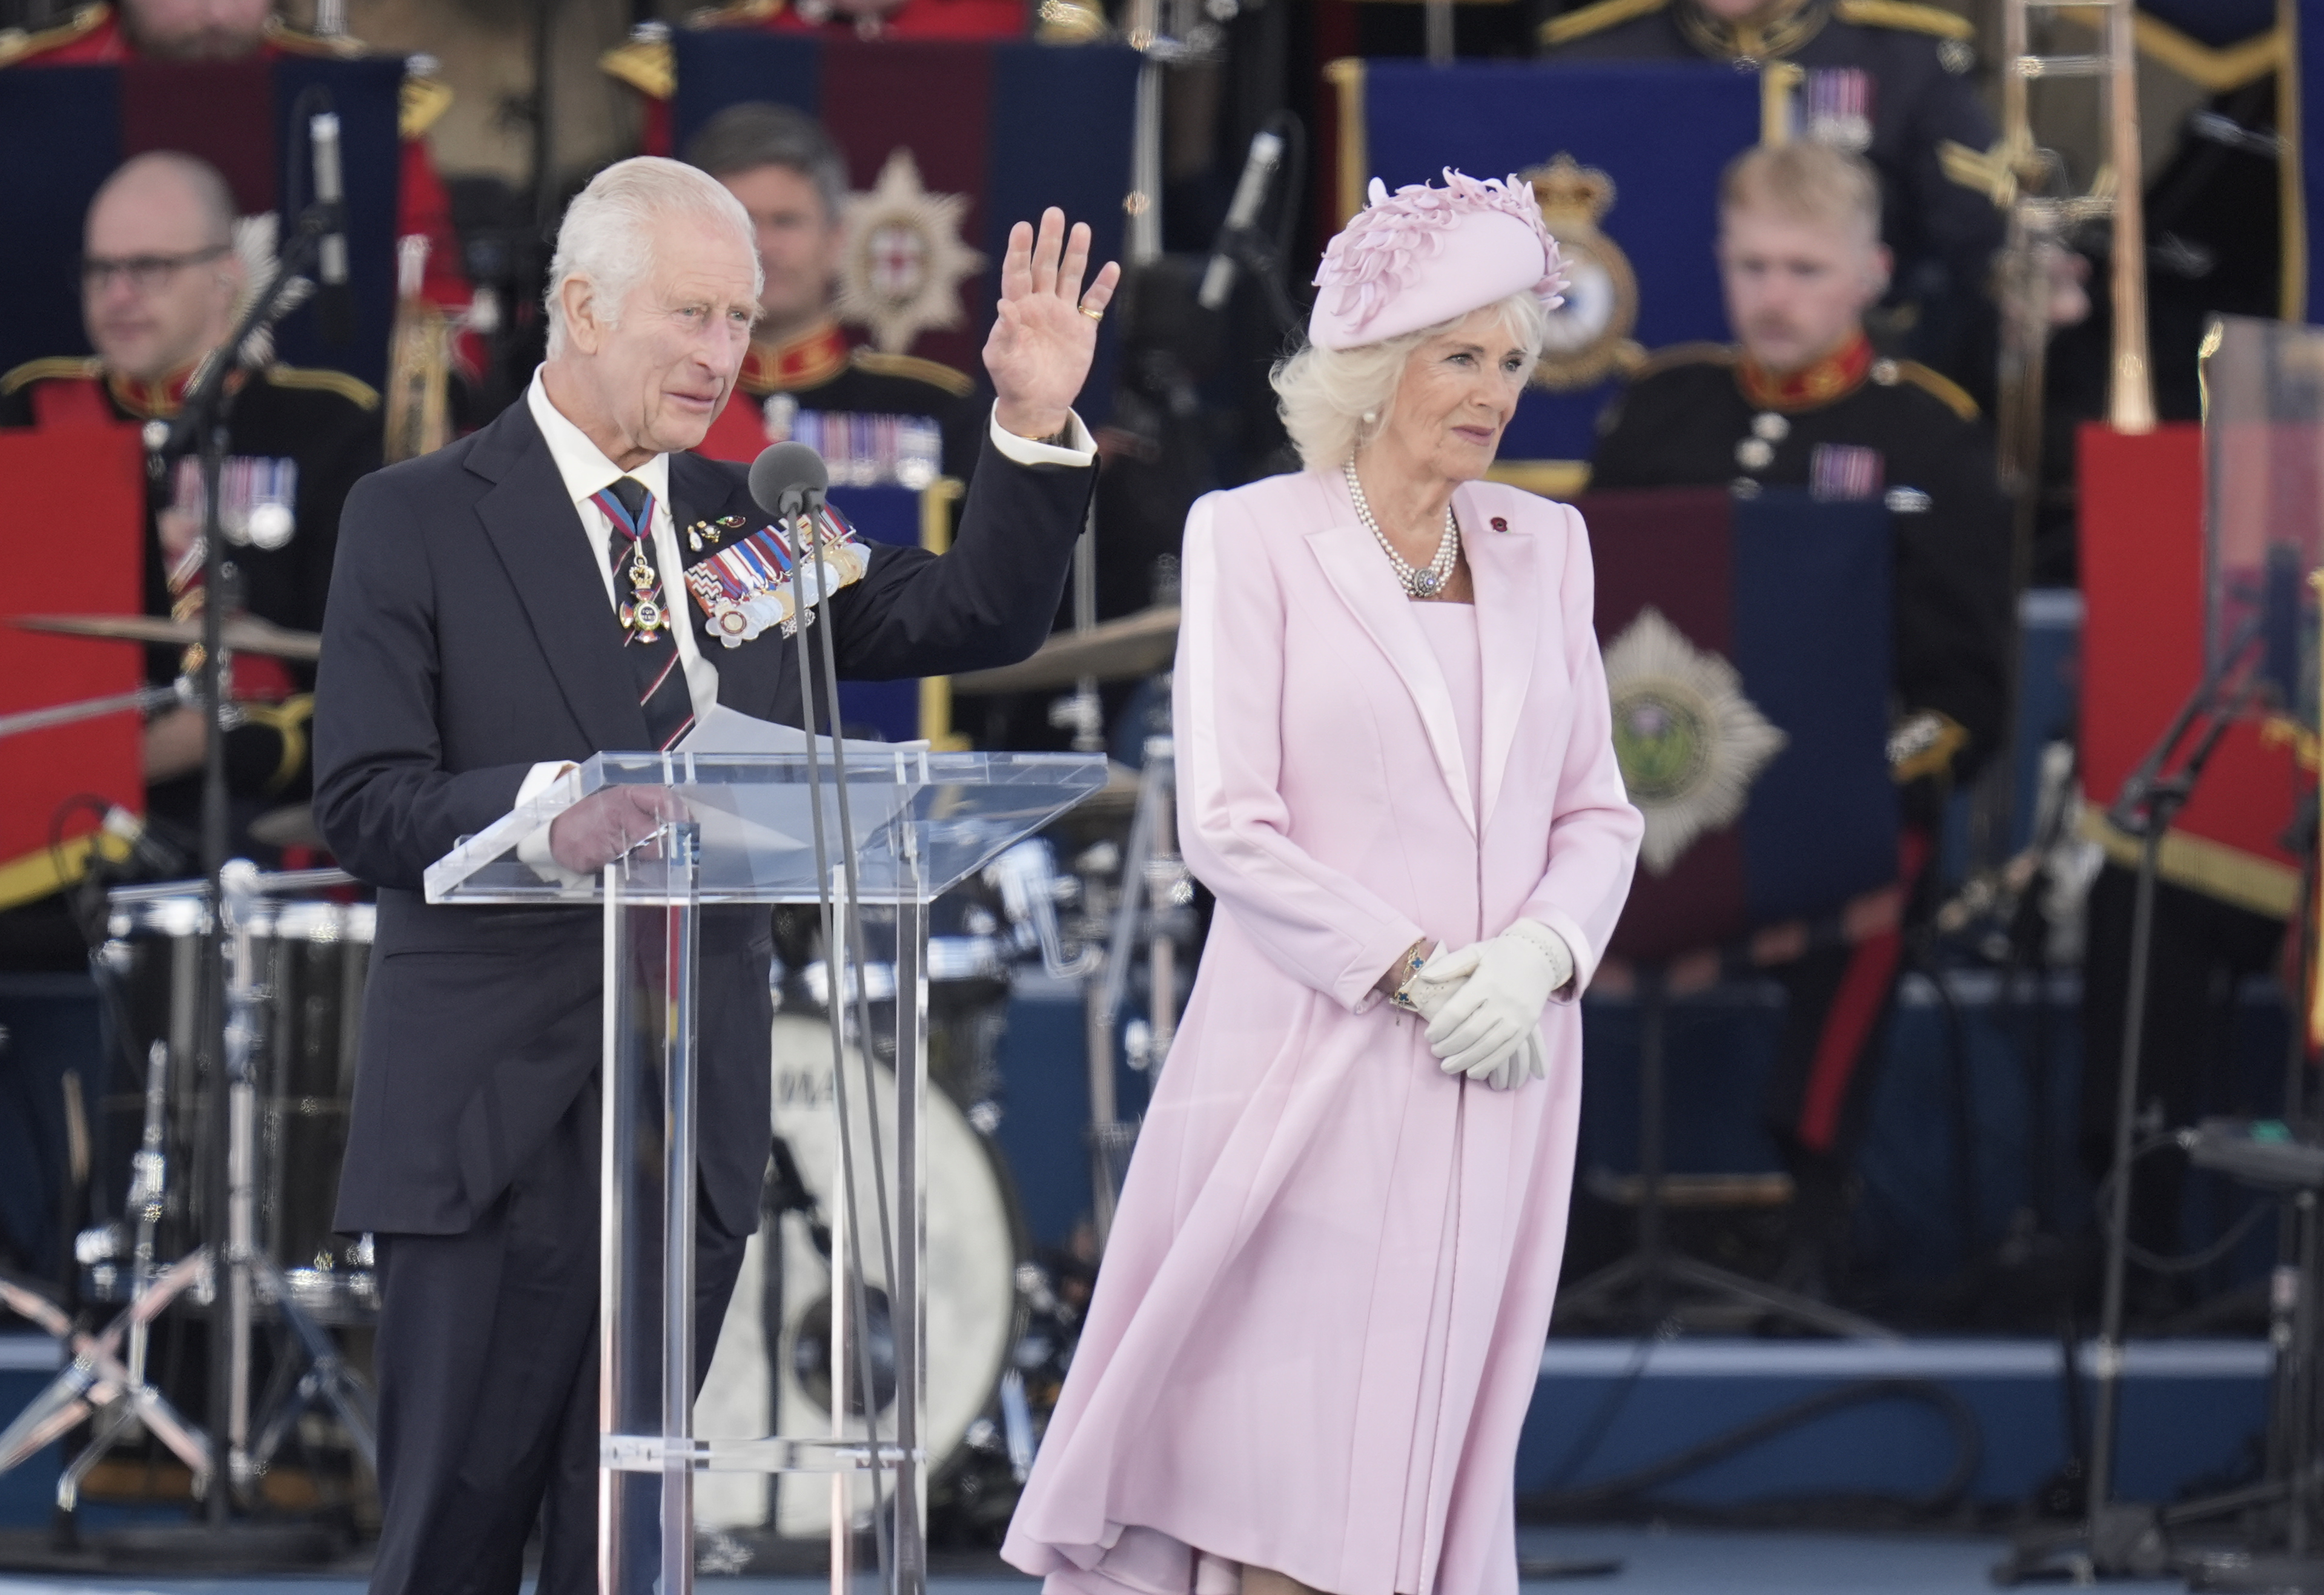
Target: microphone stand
(2115,1538)
(200,428)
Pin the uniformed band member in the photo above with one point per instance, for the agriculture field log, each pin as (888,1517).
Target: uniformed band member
(1889,81)
(161,285)
(1802,402)
(866,407)
(106,33)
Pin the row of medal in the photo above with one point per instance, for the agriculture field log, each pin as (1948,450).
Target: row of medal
(756,582)
(256,496)
(861,449)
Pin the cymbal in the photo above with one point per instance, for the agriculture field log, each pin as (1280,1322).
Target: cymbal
(244,633)
(292,825)
(1135,645)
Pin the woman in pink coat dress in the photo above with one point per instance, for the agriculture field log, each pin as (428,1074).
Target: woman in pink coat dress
(1324,1298)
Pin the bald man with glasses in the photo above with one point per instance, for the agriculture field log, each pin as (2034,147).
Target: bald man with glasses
(160,282)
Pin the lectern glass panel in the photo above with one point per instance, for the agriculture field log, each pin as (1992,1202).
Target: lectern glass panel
(681,913)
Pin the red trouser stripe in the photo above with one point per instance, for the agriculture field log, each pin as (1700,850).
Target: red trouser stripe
(1863,992)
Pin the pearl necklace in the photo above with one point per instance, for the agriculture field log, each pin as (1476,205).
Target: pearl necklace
(1418,581)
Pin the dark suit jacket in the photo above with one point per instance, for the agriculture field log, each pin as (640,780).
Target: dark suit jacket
(468,639)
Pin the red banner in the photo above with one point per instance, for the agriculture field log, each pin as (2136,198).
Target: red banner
(2142,564)
(78,490)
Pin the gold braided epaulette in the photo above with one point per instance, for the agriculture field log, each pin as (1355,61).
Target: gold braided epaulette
(316,380)
(1699,353)
(935,374)
(646,65)
(1939,386)
(1901,14)
(49,369)
(1595,19)
(421,103)
(343,47)
(21,44)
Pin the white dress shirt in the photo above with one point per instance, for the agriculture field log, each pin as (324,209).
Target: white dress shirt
(587,472)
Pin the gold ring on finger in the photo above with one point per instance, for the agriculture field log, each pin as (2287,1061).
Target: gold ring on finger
(1093,315)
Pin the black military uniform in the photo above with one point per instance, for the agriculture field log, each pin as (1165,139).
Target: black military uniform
(1853,426)
(818,372)
(296,435)
(1889,81)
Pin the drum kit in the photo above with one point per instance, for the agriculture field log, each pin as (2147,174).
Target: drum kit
(297,963)
(297,949)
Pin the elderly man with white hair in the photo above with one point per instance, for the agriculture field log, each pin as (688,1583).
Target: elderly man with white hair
(507,606)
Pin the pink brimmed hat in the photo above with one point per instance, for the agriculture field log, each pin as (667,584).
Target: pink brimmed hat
(1423,256)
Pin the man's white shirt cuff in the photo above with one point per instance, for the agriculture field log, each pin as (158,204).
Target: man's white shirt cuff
(1078,452)
(533,850)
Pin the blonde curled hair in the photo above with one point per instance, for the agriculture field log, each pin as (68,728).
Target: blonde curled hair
(1333,402)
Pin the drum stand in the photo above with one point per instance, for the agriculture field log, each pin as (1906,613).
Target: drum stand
(199,429)
(95,1382)
(104,1384)
(252,1276)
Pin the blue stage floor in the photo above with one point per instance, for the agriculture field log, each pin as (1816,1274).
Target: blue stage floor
(1676,1562)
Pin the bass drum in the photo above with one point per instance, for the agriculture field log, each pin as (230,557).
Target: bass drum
(769,1374)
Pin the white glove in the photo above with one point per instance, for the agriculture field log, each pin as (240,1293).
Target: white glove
(1527,1061)
(1504,984)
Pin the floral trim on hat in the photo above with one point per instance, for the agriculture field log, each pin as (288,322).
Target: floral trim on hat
(1382,250)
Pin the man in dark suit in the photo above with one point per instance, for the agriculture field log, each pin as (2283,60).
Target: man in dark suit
(474,648)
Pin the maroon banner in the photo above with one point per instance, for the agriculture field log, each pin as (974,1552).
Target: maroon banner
(222,111)
(1672,551)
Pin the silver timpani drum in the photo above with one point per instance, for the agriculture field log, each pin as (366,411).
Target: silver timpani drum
(770,1373)
(311,957)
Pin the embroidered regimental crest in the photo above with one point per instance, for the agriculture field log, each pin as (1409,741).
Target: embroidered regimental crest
(1589,333)
(905,258)
(754,582)
(1689,742)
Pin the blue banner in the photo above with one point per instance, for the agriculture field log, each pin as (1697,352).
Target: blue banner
(1636,214)
(889,710)
(1748,648)
(999,130)
(63,127)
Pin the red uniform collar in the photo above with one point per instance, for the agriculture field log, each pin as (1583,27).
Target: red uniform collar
(807,361)
(159,400)
(1835,376)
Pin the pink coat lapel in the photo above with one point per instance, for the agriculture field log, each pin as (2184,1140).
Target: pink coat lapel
(1354,564)
(1502,566)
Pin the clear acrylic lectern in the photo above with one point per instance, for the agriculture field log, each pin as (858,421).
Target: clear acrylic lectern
(753,828)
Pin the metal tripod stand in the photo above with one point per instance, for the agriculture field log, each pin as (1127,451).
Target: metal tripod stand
(1652,1277)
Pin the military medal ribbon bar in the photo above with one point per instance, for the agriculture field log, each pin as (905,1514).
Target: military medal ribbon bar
(749,587)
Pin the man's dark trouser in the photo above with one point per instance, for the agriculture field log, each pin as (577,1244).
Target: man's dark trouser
(487,1369)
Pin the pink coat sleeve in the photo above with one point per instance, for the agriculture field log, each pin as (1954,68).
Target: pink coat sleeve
(1322,927)
(1594,839)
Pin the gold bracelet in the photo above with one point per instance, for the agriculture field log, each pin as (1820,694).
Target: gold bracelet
(1415,957)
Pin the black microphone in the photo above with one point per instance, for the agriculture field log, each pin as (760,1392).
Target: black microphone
(334,307)
(1259,169)
(787,480)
